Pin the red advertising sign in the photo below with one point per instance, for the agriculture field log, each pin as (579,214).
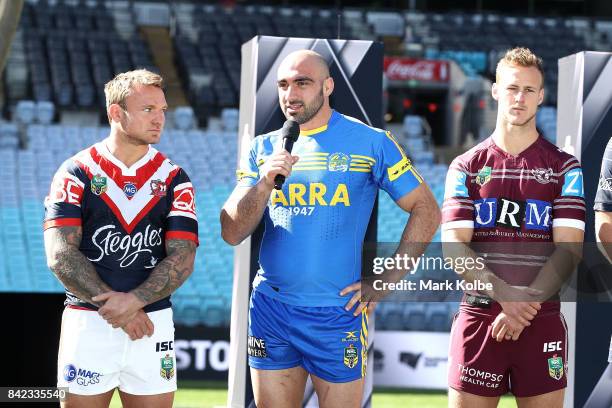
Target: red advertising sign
(406,69)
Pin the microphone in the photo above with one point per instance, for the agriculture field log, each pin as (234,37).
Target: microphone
(289,133)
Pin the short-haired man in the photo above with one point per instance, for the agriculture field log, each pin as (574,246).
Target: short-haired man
(310,254)
(515,188)
(121,235)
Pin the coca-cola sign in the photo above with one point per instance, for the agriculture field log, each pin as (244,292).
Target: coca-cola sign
(405,69)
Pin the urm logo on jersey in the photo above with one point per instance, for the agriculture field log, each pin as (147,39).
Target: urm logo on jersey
(533,214)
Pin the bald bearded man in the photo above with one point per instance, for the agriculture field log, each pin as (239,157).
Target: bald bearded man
(305,313)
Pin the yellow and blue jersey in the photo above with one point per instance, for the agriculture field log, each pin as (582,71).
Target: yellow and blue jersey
(315,225)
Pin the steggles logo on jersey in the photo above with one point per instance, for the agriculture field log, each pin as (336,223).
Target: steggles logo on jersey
(534,214)
(483,176)
(98,184)
(338,162)
(158,188)
(542,176)
(129,247)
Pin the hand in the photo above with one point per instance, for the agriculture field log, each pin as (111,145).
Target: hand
(119,307)
(366,299)
(139,326)
(505,327)
(522,311)
(278,163)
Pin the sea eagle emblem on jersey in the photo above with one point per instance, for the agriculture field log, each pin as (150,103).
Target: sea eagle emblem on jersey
(338,162)
(158,188)
(483,176)
(542,176)
(98,184)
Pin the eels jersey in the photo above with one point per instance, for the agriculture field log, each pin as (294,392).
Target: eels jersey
(126,214)
(514,202)
(315,225)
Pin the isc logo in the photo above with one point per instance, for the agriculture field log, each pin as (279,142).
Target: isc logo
(552,346)
(534,214)
(164,345)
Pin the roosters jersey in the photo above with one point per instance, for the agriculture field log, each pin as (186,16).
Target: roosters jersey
(126,214)
(315,225)
(515,201)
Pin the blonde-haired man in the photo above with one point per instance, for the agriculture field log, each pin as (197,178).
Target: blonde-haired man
(121,235)
(520,196)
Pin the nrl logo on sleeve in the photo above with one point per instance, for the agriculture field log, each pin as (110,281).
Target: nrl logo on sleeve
(167,367)
(338,162)
(555,367)
(351,356)
(98,184)
(158,188)
(542,176)
(483,176)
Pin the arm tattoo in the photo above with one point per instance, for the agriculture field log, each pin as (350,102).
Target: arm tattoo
(243,211)
(170,273)
(69,264)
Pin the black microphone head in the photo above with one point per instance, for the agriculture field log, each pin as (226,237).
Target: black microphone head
(290,130)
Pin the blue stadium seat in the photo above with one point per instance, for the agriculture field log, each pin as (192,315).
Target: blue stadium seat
(45,112)
(414,317)
(25,112)
(184,117)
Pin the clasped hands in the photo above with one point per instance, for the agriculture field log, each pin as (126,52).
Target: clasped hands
(515,315)
(124,310)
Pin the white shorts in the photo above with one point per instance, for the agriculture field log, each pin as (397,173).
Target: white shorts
(95,358)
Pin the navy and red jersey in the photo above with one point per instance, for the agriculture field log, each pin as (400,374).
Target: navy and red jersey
(126,214)
(514,202)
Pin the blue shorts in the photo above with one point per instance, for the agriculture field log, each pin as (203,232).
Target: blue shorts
(328,342)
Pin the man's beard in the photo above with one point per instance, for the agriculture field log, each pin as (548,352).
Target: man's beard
(310,110)
(529,119)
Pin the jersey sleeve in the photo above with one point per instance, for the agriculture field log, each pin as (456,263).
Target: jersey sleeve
(63,203)
(458,206)
(247,174)
(182,222)
(603,197)
(569,208)
(394,172)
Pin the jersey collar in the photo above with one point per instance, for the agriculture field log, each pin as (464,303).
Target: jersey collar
(332,119)
(126,171)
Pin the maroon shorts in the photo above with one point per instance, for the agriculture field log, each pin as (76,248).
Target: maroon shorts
(534,364)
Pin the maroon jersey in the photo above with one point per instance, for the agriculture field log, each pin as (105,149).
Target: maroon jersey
(512,201)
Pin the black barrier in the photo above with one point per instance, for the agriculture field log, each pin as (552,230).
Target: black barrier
(584,123)
(202,353)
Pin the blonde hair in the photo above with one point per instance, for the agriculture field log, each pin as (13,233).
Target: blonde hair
(119,88)
(520,56)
